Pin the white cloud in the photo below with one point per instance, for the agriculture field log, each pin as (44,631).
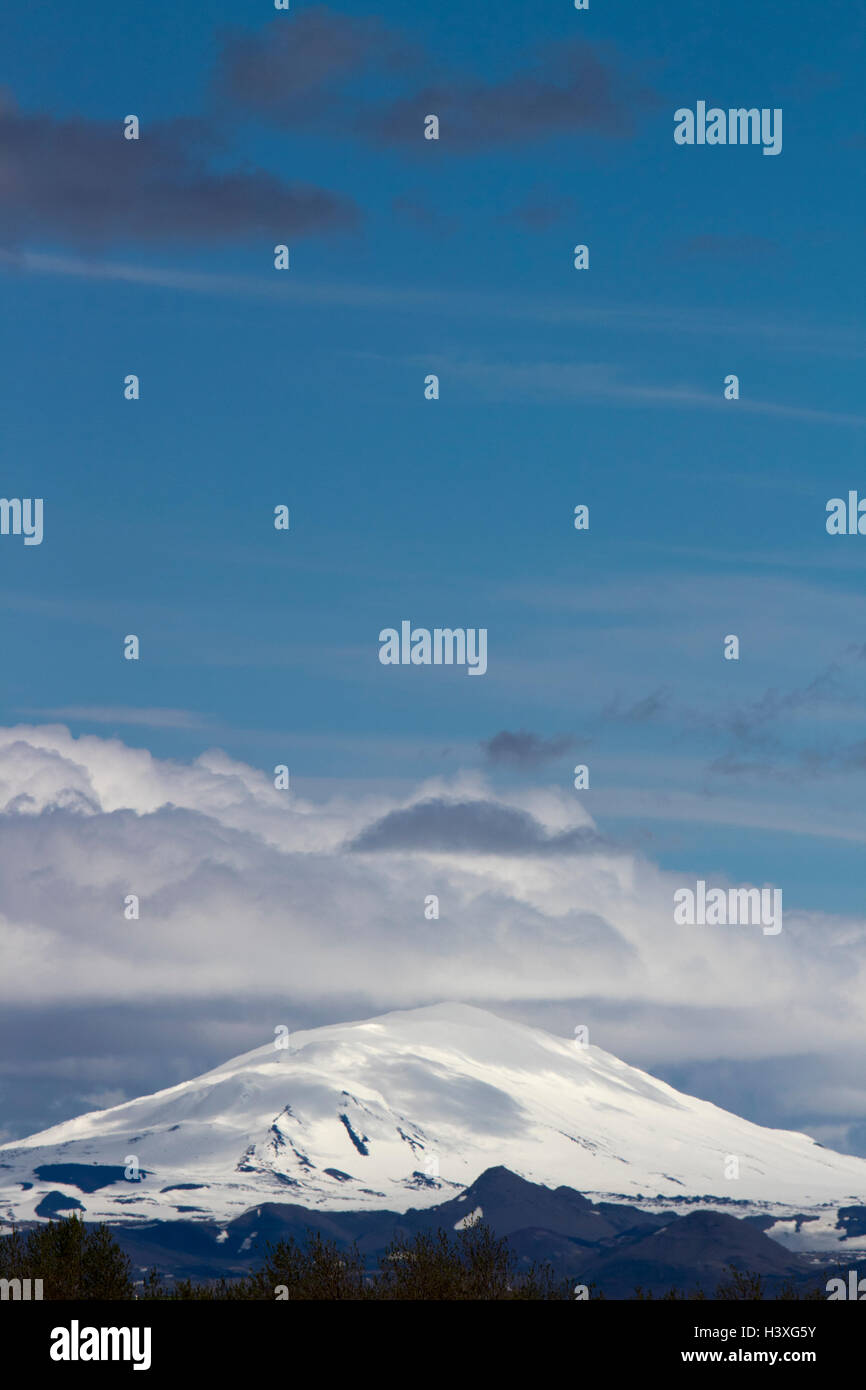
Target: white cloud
(254,893)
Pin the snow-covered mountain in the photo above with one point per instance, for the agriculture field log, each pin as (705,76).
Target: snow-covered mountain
(403,1111)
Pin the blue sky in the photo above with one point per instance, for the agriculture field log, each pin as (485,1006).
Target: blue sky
(557,387)
(308,390)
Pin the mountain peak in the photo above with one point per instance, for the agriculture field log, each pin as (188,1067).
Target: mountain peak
(408,1109)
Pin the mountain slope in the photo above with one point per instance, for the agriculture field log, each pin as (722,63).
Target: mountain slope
(693,1251)
(607,1246)
(401,1111)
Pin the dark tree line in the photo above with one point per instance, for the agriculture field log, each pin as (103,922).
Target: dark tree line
(75,1262)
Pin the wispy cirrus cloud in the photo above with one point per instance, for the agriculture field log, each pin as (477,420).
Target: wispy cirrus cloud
(837,340)
(118,714)
(552,380)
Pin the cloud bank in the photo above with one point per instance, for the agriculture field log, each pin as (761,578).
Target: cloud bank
(257,895)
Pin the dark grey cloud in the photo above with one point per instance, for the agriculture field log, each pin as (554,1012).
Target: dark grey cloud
(305,74)
(756,722)
(568,88)
(539,212)
(751,725)
(755,728)
(819,1095)
(83,180)
(755,738)
(657,703)
(807,762)
(421,213)
(345,74)
(473,827)
(524,749)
